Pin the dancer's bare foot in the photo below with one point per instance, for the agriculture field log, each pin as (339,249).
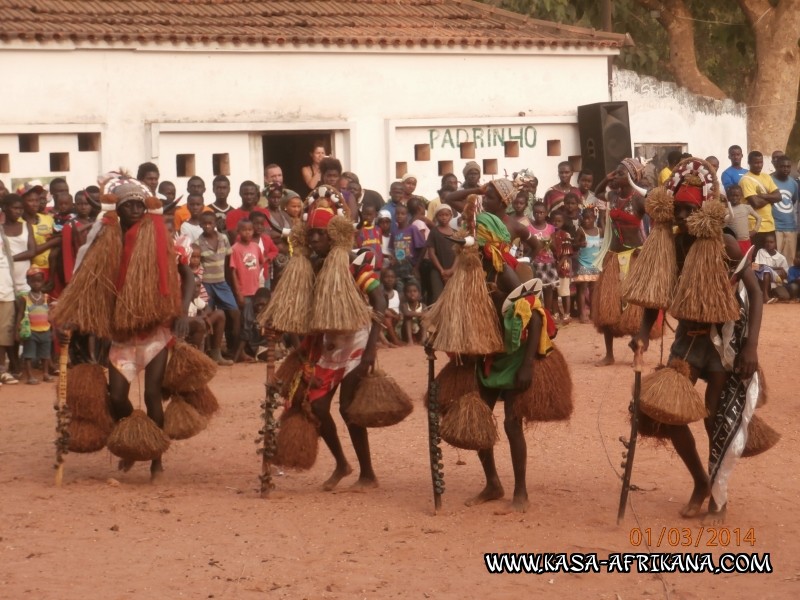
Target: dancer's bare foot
(338,474)
(492,491)
(695,505)
(716,514)
(519,504)
(364,483)
(125,465)
(605,361)
(156,471)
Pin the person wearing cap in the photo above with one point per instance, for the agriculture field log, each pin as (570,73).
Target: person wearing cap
(472,175)
(441,251)
(384,224)
(471,185)
(33,327)
(409,182)
(725,355)
(554,197)
(148,300)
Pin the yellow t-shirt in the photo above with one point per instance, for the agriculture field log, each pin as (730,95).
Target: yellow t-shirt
(665,174)
(762,183)
(42,231)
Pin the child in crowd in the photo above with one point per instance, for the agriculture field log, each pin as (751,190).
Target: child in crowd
(384,223)
(392,316)
(562,241)
(572,211)
(294,208)
(214,255)
(771,269)
(408,246)
(793,278)
(8,321)
(33,327)
(62,211)
(246,264)
(441,250)
(202,321)
(416,214)
(588,240)
(544,262)
(737,219)
(269,250)
(75,233)
(191,228)
(369,236)
(411,309)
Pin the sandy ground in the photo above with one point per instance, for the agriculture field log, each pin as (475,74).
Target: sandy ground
(204,533)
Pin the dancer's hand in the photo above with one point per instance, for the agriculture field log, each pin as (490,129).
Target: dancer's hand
(523,378)
(181,327)
(747,361)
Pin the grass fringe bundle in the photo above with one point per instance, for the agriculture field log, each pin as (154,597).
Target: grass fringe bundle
(668,395)
(188,369)
(607,300)
(88,301)
(704,293)
(290,307)
(137,437)
(653,276)
(549,398)
(298,440)
(203,400)
(88,436)
(87,393)
(140,305)
(456,379)
(653,430)
(288,370)
(338,303)
(464,319)
(379,402)
(183,421)
(760,437)
(469,424)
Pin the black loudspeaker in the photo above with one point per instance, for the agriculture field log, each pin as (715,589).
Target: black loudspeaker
(605,137)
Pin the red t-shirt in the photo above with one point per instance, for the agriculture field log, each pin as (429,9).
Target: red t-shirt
(247,261)
(237,214)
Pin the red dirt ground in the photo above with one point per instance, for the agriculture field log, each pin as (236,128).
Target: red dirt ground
(204,533)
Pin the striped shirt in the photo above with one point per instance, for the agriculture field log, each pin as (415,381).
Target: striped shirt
(38,312)
(213,259)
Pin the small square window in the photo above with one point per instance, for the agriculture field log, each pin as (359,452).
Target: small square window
(184,165)
(445,167)
(576,163)
(553,147)
(5,163)
(422,152)
(511,149)
(400,169)
(88,142)
(221,164)
(467,149)
(59,161)
(28,142)
(490,166)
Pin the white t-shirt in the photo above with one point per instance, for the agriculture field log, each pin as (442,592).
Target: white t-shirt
(6,277)
(196,306)
(394,301)
(773,261)
(193,232)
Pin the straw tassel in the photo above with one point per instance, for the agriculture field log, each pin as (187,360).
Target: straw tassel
(378,402)
(290,306)
(549,398)
(457,379)
(464,319)
(653,277)
(137,437)
(338,303)
(89,299)
(188,369)
(607,300)
(669,396)
(760,437)
(469,424)
(704,292)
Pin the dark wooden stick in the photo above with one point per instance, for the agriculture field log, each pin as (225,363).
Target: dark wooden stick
(631,446)
(437,473)
(62,410)
(268,435)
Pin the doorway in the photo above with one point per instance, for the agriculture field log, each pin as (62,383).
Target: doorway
(291,151)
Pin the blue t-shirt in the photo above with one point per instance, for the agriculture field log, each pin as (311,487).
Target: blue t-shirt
(732,176)
(793,274)
(784,211)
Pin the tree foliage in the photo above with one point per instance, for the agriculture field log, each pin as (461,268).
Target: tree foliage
(725,44)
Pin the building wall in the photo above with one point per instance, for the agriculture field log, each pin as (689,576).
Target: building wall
(661,113)
(152,105)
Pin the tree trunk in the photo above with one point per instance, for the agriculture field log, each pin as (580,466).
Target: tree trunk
(772,99)
(676,19)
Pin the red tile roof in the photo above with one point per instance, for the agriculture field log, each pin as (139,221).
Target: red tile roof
(371,23)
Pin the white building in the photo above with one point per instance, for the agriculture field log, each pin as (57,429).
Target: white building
(208,87)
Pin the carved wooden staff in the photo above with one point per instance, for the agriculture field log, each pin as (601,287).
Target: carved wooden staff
(631,445)
(437,473)
(268,435)
(62,410)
